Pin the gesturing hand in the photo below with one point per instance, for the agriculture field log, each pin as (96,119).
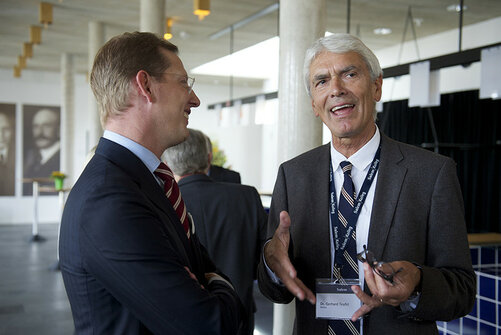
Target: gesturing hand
(277,259)
(384,292)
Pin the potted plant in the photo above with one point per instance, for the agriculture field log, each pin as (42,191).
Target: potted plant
(58,177)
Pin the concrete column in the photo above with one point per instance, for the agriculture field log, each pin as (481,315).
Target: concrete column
(301,23)
(96,41)
(67,117)
(152,17)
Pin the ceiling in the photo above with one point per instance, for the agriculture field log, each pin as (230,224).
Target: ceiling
(69,31)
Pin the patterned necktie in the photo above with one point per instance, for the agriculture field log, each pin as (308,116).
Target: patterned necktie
(349,264)
(174,195)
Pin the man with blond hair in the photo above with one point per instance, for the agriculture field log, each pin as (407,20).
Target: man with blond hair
(130,259)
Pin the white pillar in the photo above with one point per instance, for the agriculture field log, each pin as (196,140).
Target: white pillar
(152,16)
(301,23)
(67,117)
(96,40)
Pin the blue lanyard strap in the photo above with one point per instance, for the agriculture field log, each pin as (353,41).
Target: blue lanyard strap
(352,219)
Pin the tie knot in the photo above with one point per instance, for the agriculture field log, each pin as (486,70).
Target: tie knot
(164,172)
(346,167)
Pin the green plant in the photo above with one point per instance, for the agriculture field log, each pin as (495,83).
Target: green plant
(218,155)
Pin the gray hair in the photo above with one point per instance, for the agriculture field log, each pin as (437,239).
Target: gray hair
(340,43)
(190,156)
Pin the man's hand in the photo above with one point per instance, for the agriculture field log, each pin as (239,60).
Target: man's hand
(277,259)
(383,292)
(369,303)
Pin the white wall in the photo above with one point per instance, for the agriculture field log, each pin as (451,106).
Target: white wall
(242,144)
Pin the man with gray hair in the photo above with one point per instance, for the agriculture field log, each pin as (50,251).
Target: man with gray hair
(229,218)
(364,226)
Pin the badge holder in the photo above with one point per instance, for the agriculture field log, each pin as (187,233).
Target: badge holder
(335,299)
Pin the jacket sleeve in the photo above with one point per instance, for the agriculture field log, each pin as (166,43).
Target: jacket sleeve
(448,279)
(275,292)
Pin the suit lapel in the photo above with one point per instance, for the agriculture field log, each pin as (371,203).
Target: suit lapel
(140,174)
(389,183)
(320,204)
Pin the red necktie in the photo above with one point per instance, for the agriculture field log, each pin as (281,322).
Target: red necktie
(174,195)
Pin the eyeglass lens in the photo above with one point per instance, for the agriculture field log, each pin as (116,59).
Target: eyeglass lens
(384,270)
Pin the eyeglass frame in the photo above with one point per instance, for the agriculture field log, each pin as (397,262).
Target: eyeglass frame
(376,265)
(190,81)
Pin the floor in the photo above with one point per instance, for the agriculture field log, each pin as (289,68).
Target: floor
(32,295)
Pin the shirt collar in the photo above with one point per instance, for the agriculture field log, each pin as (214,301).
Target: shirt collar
(146,156)
(360,159)
(47,153)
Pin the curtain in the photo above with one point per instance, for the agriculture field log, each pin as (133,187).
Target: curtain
(469,131)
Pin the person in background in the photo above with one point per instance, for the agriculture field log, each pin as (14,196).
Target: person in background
(399,204)
(229,218)
(7,155)
(219,173)
(130,258)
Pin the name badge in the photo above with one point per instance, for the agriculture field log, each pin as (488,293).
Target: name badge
(335,300)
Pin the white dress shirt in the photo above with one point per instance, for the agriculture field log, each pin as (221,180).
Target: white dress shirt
(361,161)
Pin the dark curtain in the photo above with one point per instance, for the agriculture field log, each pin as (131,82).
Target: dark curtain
(469,131)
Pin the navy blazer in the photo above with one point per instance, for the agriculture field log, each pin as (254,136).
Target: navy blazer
(219,173)
(417,216)
(123,254)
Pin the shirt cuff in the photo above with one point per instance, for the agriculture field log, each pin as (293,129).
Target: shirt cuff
(271,274)
(410,304)
(215,276)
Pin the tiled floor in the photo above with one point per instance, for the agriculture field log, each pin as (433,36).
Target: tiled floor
(32,296)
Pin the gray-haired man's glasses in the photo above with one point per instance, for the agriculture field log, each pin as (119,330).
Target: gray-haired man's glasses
(384,270)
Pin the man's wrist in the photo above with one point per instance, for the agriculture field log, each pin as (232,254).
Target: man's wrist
(212,276)
(418,288)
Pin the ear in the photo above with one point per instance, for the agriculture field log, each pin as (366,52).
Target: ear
(210,158)
(143,82)
(378,85)
(313,108)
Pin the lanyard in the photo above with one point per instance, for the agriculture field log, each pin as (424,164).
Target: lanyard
(339,245)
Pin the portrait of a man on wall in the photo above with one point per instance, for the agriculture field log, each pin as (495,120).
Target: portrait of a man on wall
(41,142)
(7,149)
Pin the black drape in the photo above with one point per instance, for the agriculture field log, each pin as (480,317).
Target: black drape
(469,131)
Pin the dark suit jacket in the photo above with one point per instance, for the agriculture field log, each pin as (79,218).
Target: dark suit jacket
(231,223)
(219,173)
(123,254)
(417,215)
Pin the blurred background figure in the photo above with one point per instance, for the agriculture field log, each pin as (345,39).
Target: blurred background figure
(229,218)
(43,156)
(7,154)
(219,173)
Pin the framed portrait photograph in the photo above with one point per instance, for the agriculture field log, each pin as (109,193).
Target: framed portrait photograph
(41,143)
(7,149)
